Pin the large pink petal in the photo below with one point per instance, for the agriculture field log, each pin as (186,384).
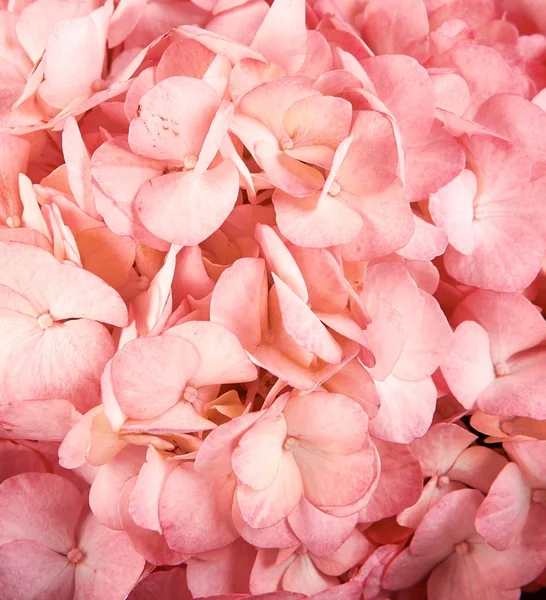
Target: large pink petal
(195,206)
(331,480)
(354,381)
(452,208)
(316,222)
(440,447)
(353,551)
(257,458)
(304,326)
(163,379)
(511,321)
(64,290)
(109,482)
(503,513)
(400,483)
(74,57)
(405,87)
(110,566)
(222,571)
(449,521)
(195,512)
(323,277)
(30,570)
(222,358)
(321,533)
(477,467)
(432,162)
(394,27)
(64,361)
(173,119)
(264,508)
(239,300)
(280,260)
(286,19)
(47,420)
(406,409)
(330,422)
(149,544)
(468,368)
(41,507)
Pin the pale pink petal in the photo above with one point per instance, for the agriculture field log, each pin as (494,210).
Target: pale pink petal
(41,507)
(163,379)
(321,533)
(353,551)
(196,206)
(314,222)
(285,19)
(173,119)
(313,418)
(406,409)
(31,570)
(468,368)
(440,447)
(110,565)
(503,513)
(222,358)
(477,467)
(400,483)
(206,510)
(257,458)
(264,508)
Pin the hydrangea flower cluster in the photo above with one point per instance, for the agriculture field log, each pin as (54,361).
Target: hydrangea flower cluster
(272,277)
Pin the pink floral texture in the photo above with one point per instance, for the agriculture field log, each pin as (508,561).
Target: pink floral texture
(272,294)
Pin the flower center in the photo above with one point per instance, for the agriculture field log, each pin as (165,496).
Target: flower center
(443,481)
(143,283)
(45,321)
(502,369)
(539,496)
(462,548)
(507,427)
(98,85)
(190,161)
(290,443)
(75,555)
(287,144)
(335,188)
(13,222)
(190,394)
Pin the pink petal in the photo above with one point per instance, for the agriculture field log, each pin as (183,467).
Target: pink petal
(312,419)
(314,222)
(163,379)
(257,458)
(468,368)
(405,87)
(321,533)
(264,508)
(303,326)
(400,483)
(185,57)
(452,208)
(280,260)
(110,565)
(504,512)
(163,130)
(41,507)
(148,543)
(286,19)
(440,447)
(206,509)
(350,553)
(334,479)
(221,571)
(406,409)
(477,467)
(47,573)
(196,206)
(222,358)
